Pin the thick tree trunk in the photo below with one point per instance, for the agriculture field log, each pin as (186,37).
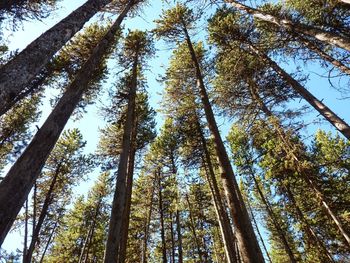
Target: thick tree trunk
(42,216)
(161,215)
(18,182)
(115,225)
(324,36)
(126,215)
(194,232)
(17,74)
(318,105)
(248,243)
(179,236)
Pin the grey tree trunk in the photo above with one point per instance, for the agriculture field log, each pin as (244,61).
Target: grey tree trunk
(17,74)
(324,36)
(18,182)
(248,243)
(115,225)
(179,235)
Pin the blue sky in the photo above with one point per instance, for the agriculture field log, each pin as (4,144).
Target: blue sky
(90,123)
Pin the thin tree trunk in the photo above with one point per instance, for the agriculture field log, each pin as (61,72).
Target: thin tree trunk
(147,226)
(324,36)
(17,74)
(42,216)
(34,208)
(255,95)
(126,216)
(223,219)
(18,182)
(172,240)
(248,243)
(162,229)
(115,225)
(258,231)
(318,105)
(322,54)
(193,229)
(25,251)
(48,242)
(179,235)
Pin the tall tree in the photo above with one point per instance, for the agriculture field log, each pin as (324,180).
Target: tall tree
(174,24)
(33,59)
(22,175)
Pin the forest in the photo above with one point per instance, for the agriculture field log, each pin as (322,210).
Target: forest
(188,131)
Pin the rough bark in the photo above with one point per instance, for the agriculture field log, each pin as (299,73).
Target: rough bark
(20,71)
(248,243)
(324,36)
(42,216)
(318,105)
(115,224)
(18,182)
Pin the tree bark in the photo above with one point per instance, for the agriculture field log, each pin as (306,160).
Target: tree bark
(248,243)
(318,105)
(172,240)
(324,36)
(18,182)
(17,73)
(147,226)
(25,243)
(115,225)
(42,216)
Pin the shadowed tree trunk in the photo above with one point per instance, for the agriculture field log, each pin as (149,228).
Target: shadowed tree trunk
(18,182)
(162,229)
(179,235)
(112,252)
(48,242)
(17,74)
(147,225)
(324,36)
(248,243)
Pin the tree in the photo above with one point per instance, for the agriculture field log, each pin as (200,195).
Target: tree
(33,59)
(23,173)
(174,24)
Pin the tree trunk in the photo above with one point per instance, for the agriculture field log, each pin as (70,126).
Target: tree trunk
(248,243)
(258,231)
(179,235)
(18,182)
(162,229)
(48,242)
(322,54)
(318,105)
(18,73)
(193,229)
(147,226)
(324,36)
(223,219)
(42,216)
(115,225)
(25,251)
(126,215)
(172,240)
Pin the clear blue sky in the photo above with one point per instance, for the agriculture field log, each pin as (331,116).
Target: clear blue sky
(90,123)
